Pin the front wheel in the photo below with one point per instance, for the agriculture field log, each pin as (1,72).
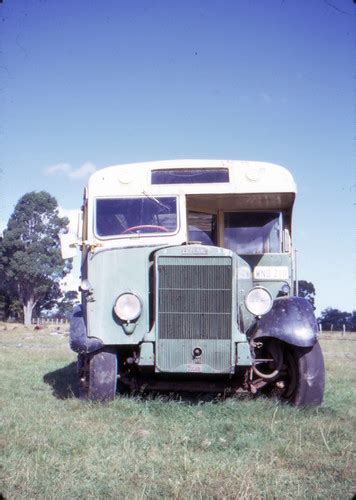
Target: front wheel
(310,371)
(294,374)
(97,375)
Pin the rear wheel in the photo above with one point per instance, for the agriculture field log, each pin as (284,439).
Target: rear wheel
(294,374)
(97,375)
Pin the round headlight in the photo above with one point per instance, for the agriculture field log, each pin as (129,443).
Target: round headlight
(128,307)
(258,301)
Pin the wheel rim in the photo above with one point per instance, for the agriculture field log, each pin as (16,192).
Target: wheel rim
(292,374)
(276,365)
(269,364)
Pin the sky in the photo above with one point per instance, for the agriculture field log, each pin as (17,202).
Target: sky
(88,84)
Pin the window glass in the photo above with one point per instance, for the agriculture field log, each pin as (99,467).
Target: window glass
(190,175)
(128,216)
(253,233)
(202,227)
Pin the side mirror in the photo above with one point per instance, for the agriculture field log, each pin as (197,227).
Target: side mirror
(69,243)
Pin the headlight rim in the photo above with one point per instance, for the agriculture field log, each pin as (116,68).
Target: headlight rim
(264,289)
(133,318)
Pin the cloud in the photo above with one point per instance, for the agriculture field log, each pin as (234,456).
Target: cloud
(64,168)
(83,172)
(266,98)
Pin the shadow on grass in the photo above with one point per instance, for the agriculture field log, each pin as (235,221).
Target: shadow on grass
(185,397)
(63,382)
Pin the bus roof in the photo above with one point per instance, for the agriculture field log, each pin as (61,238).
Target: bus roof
(244,177)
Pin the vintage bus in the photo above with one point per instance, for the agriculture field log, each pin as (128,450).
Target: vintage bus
(187,283)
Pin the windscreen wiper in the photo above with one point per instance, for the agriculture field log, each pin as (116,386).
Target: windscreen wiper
(151,197)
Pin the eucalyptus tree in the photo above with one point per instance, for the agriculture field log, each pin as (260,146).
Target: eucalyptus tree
(32,263)
(306,289)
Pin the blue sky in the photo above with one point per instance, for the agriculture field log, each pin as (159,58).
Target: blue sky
(88,84)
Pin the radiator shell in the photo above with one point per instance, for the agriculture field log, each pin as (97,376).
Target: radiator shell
(195,307)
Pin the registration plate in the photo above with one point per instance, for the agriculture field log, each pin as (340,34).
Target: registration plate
(271,273)
(194,368)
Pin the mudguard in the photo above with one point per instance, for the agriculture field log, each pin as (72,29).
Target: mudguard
(292,320)
(78,339)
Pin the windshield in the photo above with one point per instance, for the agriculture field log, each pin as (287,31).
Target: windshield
(253,233)
(130,216)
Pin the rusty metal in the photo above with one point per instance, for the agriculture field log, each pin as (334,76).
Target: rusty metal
(276,351)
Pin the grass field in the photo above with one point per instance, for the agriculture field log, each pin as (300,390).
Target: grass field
(55,446)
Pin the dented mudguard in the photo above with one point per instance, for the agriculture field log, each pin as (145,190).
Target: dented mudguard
(78,339)
(292,320)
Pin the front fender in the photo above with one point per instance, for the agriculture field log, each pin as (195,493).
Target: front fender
(292,320)
(78,339)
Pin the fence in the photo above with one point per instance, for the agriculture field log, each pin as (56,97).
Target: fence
(330,329)
(50,321)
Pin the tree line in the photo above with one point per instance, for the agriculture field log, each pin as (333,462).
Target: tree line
(31,267)
(330,319)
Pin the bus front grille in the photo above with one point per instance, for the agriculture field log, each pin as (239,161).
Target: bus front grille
(194,297)
(194,306)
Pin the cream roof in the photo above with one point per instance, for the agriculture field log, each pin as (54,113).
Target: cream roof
(245,177)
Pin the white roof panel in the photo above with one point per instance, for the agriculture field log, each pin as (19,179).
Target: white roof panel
(245,177)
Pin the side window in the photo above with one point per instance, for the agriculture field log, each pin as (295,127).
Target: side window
(253,233)
(202,227)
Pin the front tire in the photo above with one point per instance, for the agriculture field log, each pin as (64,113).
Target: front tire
(309,389)
(293,374)
(97,373)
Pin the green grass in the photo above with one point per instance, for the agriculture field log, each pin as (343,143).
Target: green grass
(55,446)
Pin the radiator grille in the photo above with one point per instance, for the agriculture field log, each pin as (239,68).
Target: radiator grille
(194,297)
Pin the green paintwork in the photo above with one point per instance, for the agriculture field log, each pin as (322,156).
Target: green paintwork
(219,355)
(243,356)
(273,286)
(176,356)
(281,259)
(112,272)
(147,356)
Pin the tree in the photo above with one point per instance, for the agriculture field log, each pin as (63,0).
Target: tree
(352,327)
(31,252)
(49,300)
(8,300)
(65,306)
(5,303)
(334,319)
(306,289)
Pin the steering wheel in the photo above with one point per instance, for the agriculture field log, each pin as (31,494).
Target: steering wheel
(145,226)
